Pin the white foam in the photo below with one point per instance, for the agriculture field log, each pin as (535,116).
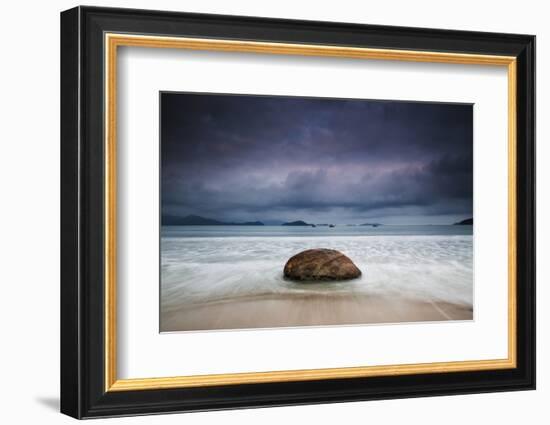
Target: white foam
(430,268)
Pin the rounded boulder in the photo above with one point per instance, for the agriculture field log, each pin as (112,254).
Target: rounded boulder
(320,264)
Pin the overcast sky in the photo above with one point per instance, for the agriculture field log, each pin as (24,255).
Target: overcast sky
(268,158)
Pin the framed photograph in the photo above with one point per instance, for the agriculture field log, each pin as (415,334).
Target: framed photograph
(261,212)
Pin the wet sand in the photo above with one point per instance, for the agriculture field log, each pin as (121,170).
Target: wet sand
(308,310)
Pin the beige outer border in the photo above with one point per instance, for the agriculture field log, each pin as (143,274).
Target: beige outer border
(112,41)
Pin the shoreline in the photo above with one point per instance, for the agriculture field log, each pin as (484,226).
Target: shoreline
(277,311)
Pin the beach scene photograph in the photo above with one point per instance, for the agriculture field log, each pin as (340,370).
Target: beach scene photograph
(286,211)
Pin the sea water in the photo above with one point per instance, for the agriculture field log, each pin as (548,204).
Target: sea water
(201,264)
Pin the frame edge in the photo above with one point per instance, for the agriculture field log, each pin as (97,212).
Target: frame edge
(70,348)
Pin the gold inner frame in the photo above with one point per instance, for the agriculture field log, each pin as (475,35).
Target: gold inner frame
(113,41)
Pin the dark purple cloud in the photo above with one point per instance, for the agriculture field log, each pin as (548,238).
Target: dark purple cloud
(346,161)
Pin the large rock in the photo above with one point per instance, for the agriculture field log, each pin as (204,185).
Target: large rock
(320,264)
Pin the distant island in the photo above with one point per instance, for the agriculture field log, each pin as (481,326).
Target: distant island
(195,220)
(468,221)
(298,223)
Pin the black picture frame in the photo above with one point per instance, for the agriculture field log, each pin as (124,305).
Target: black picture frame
(83,392)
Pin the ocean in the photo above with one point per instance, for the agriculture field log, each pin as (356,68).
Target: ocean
(210,264)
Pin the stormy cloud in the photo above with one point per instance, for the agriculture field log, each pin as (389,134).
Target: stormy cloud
(269,158)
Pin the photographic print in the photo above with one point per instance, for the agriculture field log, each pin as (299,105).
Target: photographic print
(300,211)
(291,184)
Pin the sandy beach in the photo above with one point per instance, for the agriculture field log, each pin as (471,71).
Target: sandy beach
(309,310)
(223,277)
